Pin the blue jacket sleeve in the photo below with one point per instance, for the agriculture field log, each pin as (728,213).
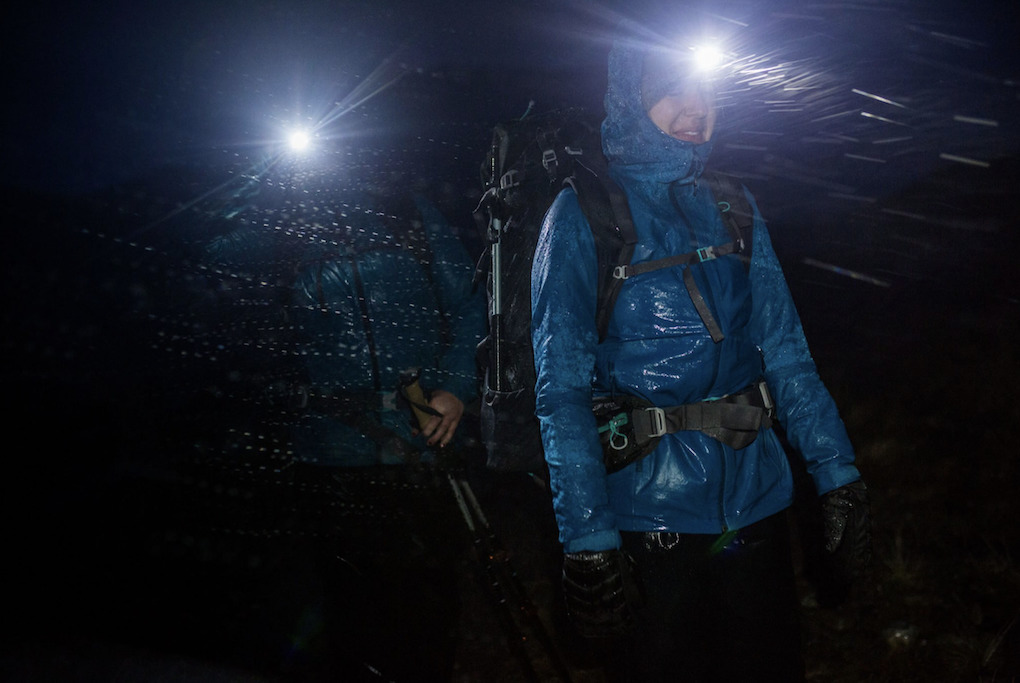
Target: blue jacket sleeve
(803,404)
(564,337)
(463,307)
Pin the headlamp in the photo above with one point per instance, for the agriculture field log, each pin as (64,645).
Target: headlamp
(706,58)
(671,72)
(299,140)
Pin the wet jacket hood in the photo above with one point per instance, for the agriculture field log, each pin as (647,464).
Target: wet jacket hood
(635,147)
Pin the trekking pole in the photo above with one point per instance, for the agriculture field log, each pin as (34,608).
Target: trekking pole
(497,307)
(515,638)
(527,608)
(514,598)
(493,198)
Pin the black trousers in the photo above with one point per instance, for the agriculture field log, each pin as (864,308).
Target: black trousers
(717,608)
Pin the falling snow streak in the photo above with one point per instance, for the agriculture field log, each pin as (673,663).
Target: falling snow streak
(964,160)
(954,40)
(856,275)
(879,98)
(841,114)
(904,214)
(889,141)
(976,121)
(852,197)
(860,157)
(884,119)
(747,148)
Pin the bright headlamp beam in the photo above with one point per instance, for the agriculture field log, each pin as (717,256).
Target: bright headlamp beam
(707,57)
(299,140)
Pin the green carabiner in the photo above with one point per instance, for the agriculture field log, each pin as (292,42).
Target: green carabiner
(615,434)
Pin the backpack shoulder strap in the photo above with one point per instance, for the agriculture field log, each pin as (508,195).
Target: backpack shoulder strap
(605,206)
(736,212)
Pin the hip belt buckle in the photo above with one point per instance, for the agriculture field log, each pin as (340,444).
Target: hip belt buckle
(649,423)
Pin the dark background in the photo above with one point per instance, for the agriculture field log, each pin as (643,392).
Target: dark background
(879,139)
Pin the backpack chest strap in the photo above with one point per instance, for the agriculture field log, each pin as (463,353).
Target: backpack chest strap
(697,298)
(699,256)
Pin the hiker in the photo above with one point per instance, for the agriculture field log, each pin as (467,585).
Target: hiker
(383,326)
(380,302)
(383,304)
(681,558)
(389,325)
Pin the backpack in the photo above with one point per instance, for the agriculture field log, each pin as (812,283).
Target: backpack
(530,161)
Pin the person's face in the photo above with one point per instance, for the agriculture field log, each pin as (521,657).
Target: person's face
(688,116)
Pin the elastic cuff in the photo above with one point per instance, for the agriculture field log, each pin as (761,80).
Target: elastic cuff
(594,542)
(847,474)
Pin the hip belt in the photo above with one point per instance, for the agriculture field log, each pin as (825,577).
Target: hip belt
(630,427)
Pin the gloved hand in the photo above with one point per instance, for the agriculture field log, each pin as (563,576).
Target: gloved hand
(602,592)
(847,525)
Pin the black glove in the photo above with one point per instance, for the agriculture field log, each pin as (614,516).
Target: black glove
(602,592)
(847,525)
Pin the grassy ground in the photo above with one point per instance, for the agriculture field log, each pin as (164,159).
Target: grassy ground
(937,450)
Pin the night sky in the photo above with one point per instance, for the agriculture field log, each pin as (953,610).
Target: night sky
(104,91)
(831,109)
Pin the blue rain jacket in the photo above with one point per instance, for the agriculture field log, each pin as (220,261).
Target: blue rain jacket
(658,348)
(415,316)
